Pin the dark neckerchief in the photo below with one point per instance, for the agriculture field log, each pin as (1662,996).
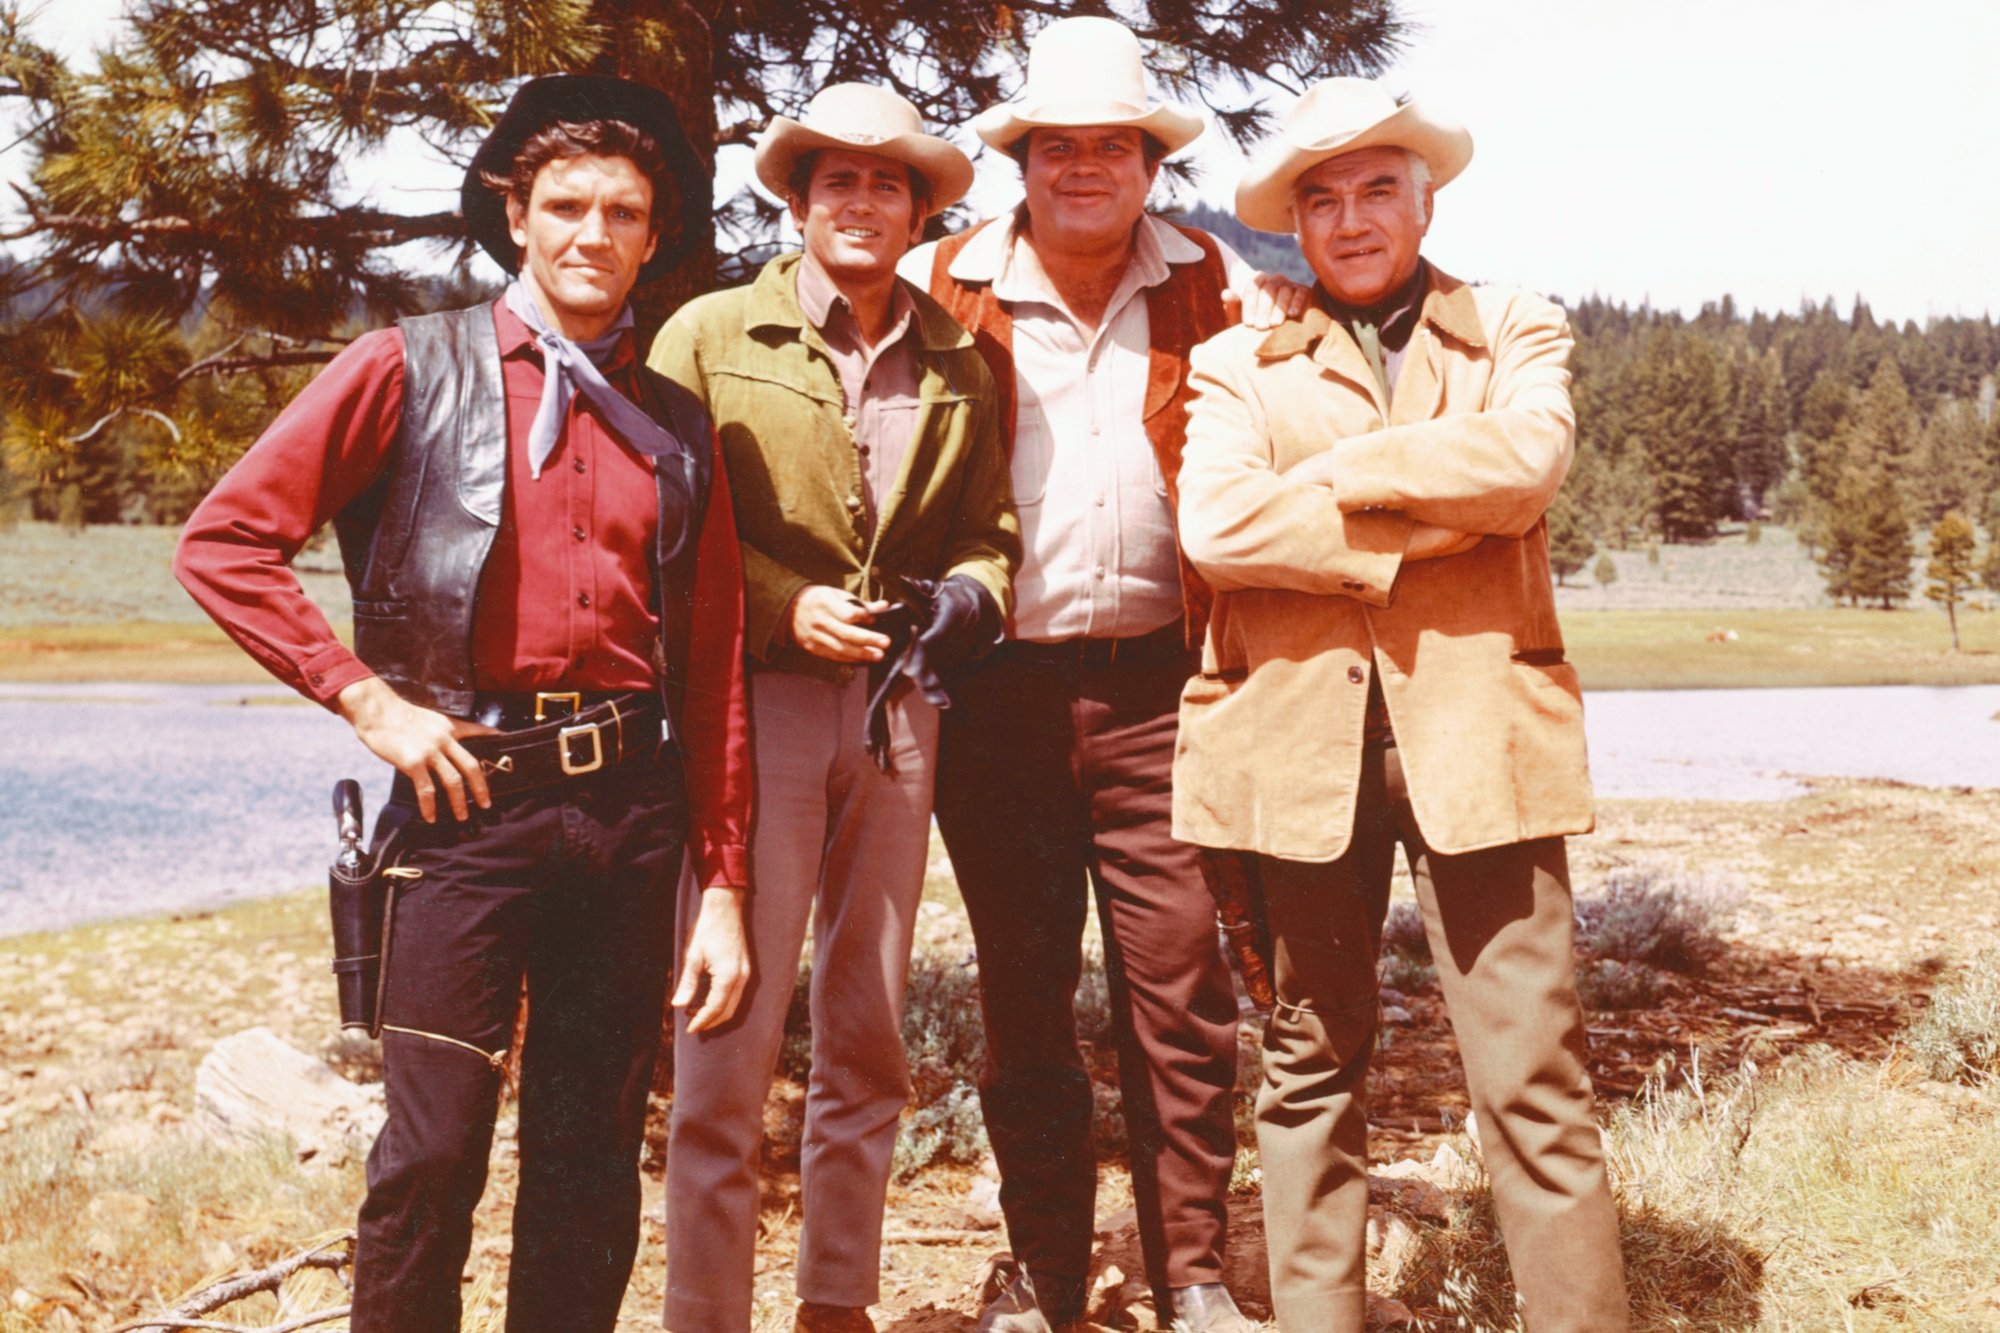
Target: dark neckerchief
(1395,315)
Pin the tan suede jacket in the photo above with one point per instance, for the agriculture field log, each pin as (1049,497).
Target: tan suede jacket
(1346,539)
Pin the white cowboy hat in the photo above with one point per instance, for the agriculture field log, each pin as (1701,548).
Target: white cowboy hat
(862,118)
(1339,116)
(1086,71)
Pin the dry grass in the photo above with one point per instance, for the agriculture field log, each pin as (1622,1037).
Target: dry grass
(1822,1195)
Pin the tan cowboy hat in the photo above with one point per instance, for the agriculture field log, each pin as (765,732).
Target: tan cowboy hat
(862,118)
(1339,116)
(1086,71)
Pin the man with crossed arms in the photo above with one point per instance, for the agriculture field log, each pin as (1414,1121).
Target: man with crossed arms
(1364,488)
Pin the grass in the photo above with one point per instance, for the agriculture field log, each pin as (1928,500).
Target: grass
(1825,1194)
(1686,649)
(102,605)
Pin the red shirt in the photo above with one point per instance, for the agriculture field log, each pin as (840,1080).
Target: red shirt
(565,595)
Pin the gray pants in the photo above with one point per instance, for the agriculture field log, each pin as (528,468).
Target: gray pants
(839,844)
(1500,927)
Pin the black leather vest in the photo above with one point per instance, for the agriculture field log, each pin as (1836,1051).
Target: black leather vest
(415,542)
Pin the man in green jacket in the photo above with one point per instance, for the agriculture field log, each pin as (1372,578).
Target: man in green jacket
(861,433)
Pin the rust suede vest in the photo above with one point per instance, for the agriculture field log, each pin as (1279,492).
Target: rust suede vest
(1180,312)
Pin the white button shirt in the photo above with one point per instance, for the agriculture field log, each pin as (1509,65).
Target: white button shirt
(1099,550)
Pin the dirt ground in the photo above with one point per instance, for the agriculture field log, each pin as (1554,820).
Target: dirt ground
(1842,904)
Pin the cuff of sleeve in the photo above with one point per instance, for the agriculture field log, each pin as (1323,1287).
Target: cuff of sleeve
(764,610)
(723,863)
(1373,554)
(327,672)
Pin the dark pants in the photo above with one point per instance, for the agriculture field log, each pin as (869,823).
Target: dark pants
(1054,776)
(1500,926)
(572,889)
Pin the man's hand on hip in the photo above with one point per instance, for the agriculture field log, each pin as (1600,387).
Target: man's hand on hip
(419,743)
(832,623)
(718,950)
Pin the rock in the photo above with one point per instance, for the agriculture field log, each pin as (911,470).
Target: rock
(1389,1240)
(112,1216)
(1413,1197)
(1395,1014)
(164,1113)
(1870,921)
(1384,1312)
(1389,995)
(253,1084)
(981,1211)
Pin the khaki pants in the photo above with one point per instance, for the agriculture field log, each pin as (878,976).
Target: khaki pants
(1500,928)
(837,843)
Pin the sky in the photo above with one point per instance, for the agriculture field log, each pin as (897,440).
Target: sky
(1776,150)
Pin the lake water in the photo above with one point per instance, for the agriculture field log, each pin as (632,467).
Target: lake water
(124,799)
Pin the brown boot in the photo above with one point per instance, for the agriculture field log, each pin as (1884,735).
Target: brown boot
(814,1318)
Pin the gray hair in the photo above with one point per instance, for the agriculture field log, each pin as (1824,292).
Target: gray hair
(1420,180)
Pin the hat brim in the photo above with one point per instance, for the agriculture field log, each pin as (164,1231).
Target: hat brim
(939,161)
(1264,195)
(1003,126)
(543,102)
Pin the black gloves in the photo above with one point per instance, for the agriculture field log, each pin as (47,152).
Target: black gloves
(955,620)
(963,622)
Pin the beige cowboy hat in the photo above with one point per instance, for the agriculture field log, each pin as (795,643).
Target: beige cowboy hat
(1086,71)
(862,118)
(1339,116)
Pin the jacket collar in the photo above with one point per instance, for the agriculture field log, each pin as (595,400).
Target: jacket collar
(988,254)
(773,303)
(1448,307)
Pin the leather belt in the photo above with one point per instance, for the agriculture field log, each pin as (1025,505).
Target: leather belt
(621,728)
(1166,644)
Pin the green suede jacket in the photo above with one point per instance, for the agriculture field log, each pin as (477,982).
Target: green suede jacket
(794,474)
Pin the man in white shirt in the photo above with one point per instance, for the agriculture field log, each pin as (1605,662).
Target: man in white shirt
(1056,756)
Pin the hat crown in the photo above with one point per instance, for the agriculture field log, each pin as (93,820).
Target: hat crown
(1333,111)
(861,113)
(1098,59)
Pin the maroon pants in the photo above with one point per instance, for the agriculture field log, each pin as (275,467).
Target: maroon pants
(1054,774)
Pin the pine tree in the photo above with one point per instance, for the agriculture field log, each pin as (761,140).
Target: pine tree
(1606,572)
(1866,549)
(201,167)
(1570,545)
(1884,429)
(1822,431)
(1762,421)
(1948,469)
(1950,569)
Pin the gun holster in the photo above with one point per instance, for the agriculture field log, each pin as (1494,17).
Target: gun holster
(1239,909)
(362,902)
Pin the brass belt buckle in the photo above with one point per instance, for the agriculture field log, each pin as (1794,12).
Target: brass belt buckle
(543,698)
(571,768)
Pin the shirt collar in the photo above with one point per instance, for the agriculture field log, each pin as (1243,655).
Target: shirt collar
(773,302)
(517,339)
(993,255)
(1449,308)
(820,300)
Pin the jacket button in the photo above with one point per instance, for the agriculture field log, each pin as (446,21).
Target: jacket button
(1351,585)
(583,600)
(1356,674)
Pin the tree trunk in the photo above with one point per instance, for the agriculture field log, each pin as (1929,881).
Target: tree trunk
(1951,610)
(668,45)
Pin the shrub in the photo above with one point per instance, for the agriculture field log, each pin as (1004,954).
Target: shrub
(948,1130)
(1654,916)
(1399,971)
(1403,933)
(1958,1037)
(1606,983)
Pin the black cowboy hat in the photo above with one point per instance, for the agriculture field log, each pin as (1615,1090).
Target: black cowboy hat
(541,103)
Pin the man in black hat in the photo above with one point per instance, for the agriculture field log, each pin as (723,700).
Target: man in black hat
(548,630)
